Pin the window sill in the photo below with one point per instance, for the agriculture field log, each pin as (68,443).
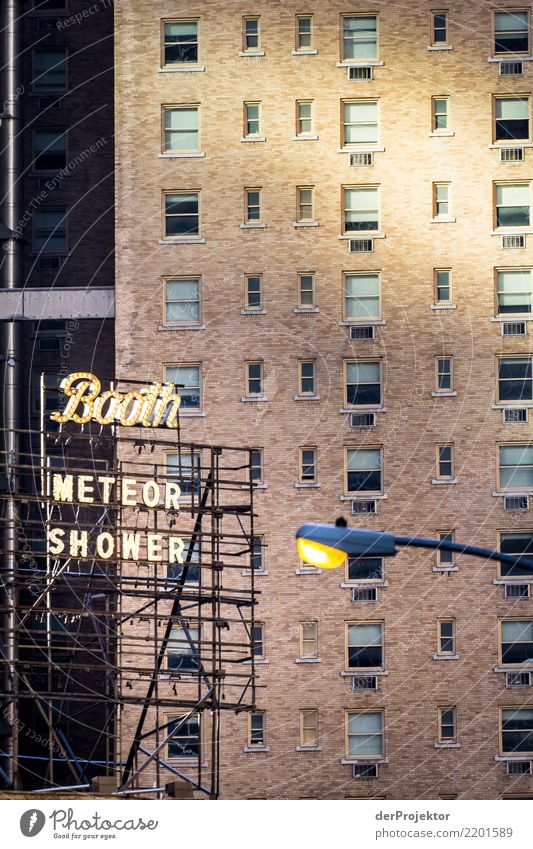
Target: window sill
(308,749)
(303,310)
(433,47)
(246,573)
(192,69)
(248,226)
(445,657)
(258,660)
(181,327)
(307,398)
(510,57)
(379,759)
(308,660)
(502,145)
(304,51)
(443,394)
(523,667)
(363,584)
(364,496)
(305,138)
(445,134)
(439,482)
(512,405)
(248,139)
(446,745)
(296,224)
(253,312)
(307,571)
(307,486)
(443,219)
(445,568)
(256,749)
(523,756)
(181,242)
(362,234)
(249,400)
(361,322)
(190,414)
(513,494)
(361,148)
(363,63)
(512,231)
(438,307)
(513,317)
(181,155)
(511,581)
(362,672)
(362,410)
(249,53)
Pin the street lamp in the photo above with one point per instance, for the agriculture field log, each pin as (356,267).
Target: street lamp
(328,546)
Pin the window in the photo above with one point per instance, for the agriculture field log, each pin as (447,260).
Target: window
(258,641)
(250,34)
(186,742)
(512,204)
(304,201)
(309,728)
(256,465)
(445,469)
(512,118)
(50,5)
(304,32)
(254,379)
(443,286)
(49,150)
(187,379)
(364,645)
(180,42)
(180,129)
(256,728)
(182,301)
(446,636)
(257,547)
(252,205)
(511,32)
(514,291)
(251,119)
(363,384)
(363,471)
(364,569)
(439,28)
(440,114)
(441,199)
(306,291)
(183,651)
(308,470)
(308,640)
(514,379)
(362,297)
(360,125)
(304,117)
(519,543)
(517,730)
(50,70)
(360,38)
(307,377)
(185,468)
(444,374)
(516,641)
(445,558)
(50,231)
(364,734)
(361,210)
(516,466)
(253,292)
(447,725)
(182,215)
(193,573)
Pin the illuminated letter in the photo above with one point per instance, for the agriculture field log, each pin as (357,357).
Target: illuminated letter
(172,493)
(151,494)
(128,492)
(78,543)
(77,396)
(55,543)
(130,546)
(167,397)
(133,417)
(115,398)
(85,489)
(150,401)
(63,487)
(175,549)
(154,551)
(106,493)
(105,545)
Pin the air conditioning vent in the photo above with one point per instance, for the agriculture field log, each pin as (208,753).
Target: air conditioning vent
(362,331)
(361,72)
(514,328)
(364,682)
(49,263)
(516,591)
(49,102)
(365,771)
(48,344)
(516,502)
(362,419)
(360,160)
(361,507)
(360,246)
(519,768)
(364,594)
(518,679)
(511,69)
(515,415)
(513,242)
(512,154)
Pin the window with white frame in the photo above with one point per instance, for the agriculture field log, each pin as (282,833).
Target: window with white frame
(439,28)
(307,377)
(513,291)
(304,203)
(513,201)
(308,640)
(258,640)
(446,636)
(362,300)
(518,544)
(252,206)
(441,200)
(511,115)
(443,285)
(447,725)
(516,466)
(180,128)
(308,465)
(359,37)
(309,728)
(364,471)
(516,642)
(363,383)
(180,43)
(185,743)
(254,378)
(360,124)
(250,34)
(257,556)
(361,209)
(511,32)
(50,231)
(256,465)
(304,117)
(444,374)
(252,121)
(364,645)
(182,300)
(304,32)
(440,114)
(50,71)
(257,729)
(444,557)
(185,469)
(49,150)
(364,734)
(183,651)
(182,214)
(306,290)
(515,383)
(445,462)
(253,291)
(188,379)
(516,731)
(364,569)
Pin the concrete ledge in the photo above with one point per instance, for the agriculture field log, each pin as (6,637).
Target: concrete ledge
(44,304)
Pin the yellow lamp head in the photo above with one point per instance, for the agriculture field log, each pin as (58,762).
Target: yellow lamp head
(318,554)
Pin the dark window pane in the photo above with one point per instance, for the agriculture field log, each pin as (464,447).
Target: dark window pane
(366,393)
(512,129)
(364,568)
(365,656)
(513,216)
(364,481)
(517,652)
(513,43)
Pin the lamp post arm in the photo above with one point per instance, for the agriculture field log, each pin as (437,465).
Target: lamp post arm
(461,548)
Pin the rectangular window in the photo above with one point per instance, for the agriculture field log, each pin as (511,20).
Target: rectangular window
(364,569)
(440,114)
(443,285)
(182,215)
(50,70)
(360,125)
(308,639)
(253,292)
(362,297)
(49,150)
(364,645)
(519,543)
(444,374)
(257,547)
(512,118)
(446,636)
(306,291)
(516,642)
(186,742)
(363,384)
(192,575)
(304,32)
(256,728)
(364,734)
(360,37)
(514,379)
(361,209)
(363,471)
(304,117)
(516,467)
(445,558)
(183,650)
(185,468)
(180,42)
(250,34)
(308,467)
(304,201)
(514,291)
(251,119)
(182,301)
(256,465)
(511,32)
(50,231)
(439,28)
(258,641)
(180,129)
(513,204)
(517,731)
(188,381)
(252,205)
(254,378)
(445,469)
(441,199)
(307,377)
(309,728)
(447,725)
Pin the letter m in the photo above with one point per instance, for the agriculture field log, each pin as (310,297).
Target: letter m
(63,487)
